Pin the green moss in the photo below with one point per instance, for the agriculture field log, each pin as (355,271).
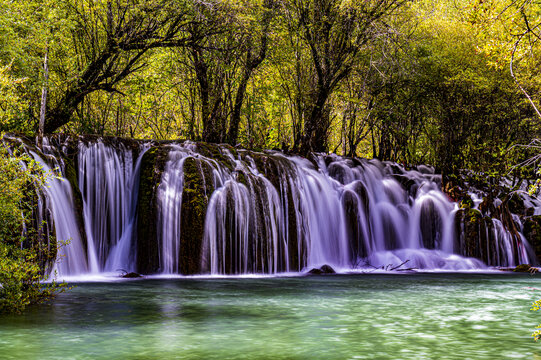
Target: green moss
(532,232)
(152,165)
(469,224)
(515,204)
(466,202)
(524,268)
(242,179)
(213,151)
(71,174)
(197,189)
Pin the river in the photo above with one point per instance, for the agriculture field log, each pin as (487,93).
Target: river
(367,316)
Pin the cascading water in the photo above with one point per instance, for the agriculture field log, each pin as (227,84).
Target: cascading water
(73,258)
(170,205)
(244,225)
(223,211)
(109,183)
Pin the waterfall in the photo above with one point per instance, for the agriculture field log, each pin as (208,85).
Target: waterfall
(72,254)
(170,205)
(218,210)
(109,182)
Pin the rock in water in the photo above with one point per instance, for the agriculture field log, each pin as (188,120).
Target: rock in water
(131,275)
(525,268)
(324,270)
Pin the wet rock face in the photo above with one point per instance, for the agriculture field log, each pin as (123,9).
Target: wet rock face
(516,205)
(532,232)
(351,204)
(475,235)
(431,226)
(508,210)
(198,187)
(148,250)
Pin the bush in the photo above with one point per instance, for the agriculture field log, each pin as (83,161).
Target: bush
(21,273)
(20,280)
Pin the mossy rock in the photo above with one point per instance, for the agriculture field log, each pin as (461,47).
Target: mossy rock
(357,242)
(525,268)
(469,225)
(214,152)
(515,203)
(487,205)
(148,248)
(466,202)
(198,188)
(532,232)
(431,225)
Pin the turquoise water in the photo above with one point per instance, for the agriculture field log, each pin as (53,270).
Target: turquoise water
(424,316)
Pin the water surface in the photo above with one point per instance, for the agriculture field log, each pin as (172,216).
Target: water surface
(423,316)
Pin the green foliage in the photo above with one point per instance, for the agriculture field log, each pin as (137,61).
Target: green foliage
(535,307)
(21,280)
(22,257)
(424,82)
(12,104)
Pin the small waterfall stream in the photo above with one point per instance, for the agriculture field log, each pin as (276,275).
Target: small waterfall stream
(109,183)
(226,211)
(73,256)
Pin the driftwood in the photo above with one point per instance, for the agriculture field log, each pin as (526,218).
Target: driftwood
(390,267)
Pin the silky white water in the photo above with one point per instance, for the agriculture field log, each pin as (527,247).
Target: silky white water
(265,214)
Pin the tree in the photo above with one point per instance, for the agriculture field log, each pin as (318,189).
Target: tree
(12,105)
(232,42)
(334,31)
(110,39)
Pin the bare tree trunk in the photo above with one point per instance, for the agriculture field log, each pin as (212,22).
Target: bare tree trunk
(43,108)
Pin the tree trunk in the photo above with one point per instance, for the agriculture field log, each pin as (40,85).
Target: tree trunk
(235,116)
(316,125)
(43,108)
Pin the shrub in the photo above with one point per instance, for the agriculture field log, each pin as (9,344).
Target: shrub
(21,273)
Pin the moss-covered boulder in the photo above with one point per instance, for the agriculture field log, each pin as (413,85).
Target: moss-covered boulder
(515,203)
(216,152)
(525,268)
